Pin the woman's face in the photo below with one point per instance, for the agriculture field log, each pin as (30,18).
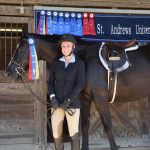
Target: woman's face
(66,48)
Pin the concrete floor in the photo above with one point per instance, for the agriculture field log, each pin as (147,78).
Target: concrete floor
(50,147)
(124,143)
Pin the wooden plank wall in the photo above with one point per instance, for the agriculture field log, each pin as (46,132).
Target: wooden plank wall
(16,114)
(129,119)
(23,119)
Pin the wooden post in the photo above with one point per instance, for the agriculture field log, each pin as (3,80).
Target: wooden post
(41,109)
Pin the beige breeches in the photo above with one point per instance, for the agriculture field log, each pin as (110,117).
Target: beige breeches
(57,119)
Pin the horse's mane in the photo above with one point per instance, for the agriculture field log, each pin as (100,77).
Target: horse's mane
(53,38)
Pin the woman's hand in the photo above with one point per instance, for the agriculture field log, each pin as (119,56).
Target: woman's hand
(54,102)
(65,104)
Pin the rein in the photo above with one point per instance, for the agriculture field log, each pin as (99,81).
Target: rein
(27,86)
(40,99)
(19,70)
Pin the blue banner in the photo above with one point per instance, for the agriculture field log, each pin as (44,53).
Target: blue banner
(122,27)
(106,26)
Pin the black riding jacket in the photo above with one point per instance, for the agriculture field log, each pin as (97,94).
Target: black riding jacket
(67,82)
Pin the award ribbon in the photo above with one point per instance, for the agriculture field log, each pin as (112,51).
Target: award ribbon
(33,61)
(48,23)
(41,24)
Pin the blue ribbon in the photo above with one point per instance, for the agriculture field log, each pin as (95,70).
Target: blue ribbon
(73,23)
(48,23)
(79,25)
(33,56)
(42,22)
(67,23)
(54,23)
(60,24)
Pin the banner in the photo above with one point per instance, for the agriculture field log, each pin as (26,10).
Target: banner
(122,27)
(95,26)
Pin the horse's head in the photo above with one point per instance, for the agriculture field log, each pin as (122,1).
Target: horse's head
(19,60)
(46,48)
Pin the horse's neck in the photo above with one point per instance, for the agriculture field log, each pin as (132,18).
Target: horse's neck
(86,52)
(46,50)
(80,52)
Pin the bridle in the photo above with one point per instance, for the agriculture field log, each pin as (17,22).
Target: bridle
(19,69)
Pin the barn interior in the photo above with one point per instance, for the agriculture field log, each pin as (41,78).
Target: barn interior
(23,120)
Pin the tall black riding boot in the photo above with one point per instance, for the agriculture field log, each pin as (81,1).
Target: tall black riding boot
(75,142)
(58,142)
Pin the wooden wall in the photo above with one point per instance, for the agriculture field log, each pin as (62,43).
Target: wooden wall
(16,114)
(129,119)
(23,119)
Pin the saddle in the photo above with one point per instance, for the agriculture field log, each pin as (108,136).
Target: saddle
(114,58)
(113,55)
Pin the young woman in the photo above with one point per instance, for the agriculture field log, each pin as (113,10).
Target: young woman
(66,80)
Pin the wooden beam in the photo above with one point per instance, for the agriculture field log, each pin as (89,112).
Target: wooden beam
(6,10)
(41,109)
(12,19)
(95,10)
(138,4)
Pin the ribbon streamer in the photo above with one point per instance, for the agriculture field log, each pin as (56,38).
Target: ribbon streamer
(88,24)
(33,61)
(67,23)
(41,24)
(48,23)
(54,23)
(85,24)
(61,24)
(91,24)
(79,25)
(73,23)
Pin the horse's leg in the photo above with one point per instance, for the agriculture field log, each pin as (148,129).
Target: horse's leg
(85,121)
(103,109)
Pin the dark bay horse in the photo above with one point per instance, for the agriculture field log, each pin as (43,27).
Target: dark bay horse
(133,82)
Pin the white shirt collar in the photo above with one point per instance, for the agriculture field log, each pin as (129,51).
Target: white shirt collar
(72,60)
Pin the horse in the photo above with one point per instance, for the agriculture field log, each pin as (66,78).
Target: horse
(132,80)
